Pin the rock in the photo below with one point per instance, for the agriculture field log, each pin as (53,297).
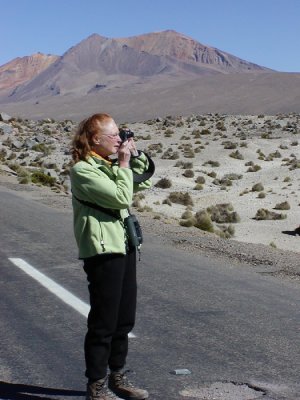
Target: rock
(5,129)
(67,184)
(4,117)
(68,128)
(52,173)
(40,138)
(16,144)
(29,143)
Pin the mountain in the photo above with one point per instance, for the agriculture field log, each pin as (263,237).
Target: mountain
(22,69)
(146,76)
(98,58)
(96,63)
(186,49)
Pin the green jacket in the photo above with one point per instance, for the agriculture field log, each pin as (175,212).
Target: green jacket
(108,186)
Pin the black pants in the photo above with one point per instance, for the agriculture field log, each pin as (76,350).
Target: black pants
(113,289)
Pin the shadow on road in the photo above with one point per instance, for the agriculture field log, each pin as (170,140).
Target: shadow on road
(15,391)
(295,232)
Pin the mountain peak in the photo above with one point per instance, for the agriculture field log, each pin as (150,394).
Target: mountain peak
(185,49)
(22,69)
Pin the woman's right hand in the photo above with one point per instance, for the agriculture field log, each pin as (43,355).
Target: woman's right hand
(124,155)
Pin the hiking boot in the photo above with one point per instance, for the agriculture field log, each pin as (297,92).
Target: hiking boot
(122,387)
(99,391)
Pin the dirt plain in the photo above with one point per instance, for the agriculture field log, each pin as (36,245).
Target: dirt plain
(229,155)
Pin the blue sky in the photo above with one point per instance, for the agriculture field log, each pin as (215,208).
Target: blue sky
(265,32)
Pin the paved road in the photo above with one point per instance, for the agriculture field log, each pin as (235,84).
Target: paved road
(224,323)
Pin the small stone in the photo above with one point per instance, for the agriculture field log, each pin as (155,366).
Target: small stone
(181,371)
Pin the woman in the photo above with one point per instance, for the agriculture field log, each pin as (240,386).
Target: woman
(102,192)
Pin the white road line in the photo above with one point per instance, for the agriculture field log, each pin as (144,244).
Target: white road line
(66,296)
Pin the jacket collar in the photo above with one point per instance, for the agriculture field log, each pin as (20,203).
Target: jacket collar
(96,156)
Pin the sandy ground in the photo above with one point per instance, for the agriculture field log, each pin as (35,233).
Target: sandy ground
(280,183)
(273,143)
(264,259)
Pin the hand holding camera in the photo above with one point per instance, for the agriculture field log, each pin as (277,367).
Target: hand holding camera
(127,147)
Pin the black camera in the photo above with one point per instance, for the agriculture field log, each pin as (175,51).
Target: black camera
(125,134)
(133,230)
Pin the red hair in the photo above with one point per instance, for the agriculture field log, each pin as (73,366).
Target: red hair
(82,141)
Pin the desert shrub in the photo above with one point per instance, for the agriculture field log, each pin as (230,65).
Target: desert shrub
(196,133)
(223,213)
(181,198)
(16,168)
(3,155)
(167,201)
(148,137)
(145,208)
(258,187)
(187,222)
(187,219)
(261,195)
(276,154)
(287,179)
(212,174)
(198,149)
(225,231)
(282,206)
(137,197)
(233,176)
(254,168)
(187,164)
(237,155)
(163,183)
(184,164)
(200,179)
(220,126)
(22,173)
(154,148)
(170,154)
(198,186)
(39,177)
(188,173)
(169,132)
(203,221)
(189,153)
(258,151)
(283,147)
(187,214)
(294,164)
(229,145)
(12,156)
(222,182)
(264,214)
(185,137)
(24,180)
(212,163)
(42,148)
